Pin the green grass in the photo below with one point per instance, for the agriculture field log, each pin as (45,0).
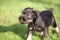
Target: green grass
(10,10)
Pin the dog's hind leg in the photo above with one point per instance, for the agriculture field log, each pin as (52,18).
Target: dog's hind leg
(54,24)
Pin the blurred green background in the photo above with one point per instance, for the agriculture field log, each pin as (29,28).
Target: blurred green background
(10,10)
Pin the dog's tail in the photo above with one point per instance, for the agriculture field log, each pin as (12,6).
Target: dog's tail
(54,24)
(51,9)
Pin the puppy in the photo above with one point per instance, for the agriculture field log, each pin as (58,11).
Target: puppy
(37,20)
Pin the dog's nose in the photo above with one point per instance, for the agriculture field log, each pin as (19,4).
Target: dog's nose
(22,18)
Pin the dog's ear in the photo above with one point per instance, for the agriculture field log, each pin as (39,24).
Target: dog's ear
(36,13)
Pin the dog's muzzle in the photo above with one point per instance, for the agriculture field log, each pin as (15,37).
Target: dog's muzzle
(24,20)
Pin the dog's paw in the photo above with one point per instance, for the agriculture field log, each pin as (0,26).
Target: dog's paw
(57,30)
(29,39)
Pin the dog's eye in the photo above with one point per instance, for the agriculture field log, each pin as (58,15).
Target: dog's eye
(27,14)
(33,15)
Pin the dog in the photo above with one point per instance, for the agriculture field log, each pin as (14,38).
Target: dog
(38,20)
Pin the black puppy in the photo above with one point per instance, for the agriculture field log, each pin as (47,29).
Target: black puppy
(37,20)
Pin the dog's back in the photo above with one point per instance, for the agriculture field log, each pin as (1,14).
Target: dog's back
(47,16)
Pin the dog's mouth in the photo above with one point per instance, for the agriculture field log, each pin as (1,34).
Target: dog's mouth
(25,20)
(22,20)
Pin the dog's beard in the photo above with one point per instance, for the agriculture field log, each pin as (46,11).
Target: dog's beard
(27,21)
(30,20)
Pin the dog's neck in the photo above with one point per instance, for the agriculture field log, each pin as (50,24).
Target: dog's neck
(36,18)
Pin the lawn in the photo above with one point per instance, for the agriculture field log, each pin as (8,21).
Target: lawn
(10,10)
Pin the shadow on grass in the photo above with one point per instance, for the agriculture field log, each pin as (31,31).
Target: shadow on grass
(18,29)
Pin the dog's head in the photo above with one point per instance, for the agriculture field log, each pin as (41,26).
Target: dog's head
(28,14)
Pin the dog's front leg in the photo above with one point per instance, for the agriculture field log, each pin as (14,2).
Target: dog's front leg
(29,34)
